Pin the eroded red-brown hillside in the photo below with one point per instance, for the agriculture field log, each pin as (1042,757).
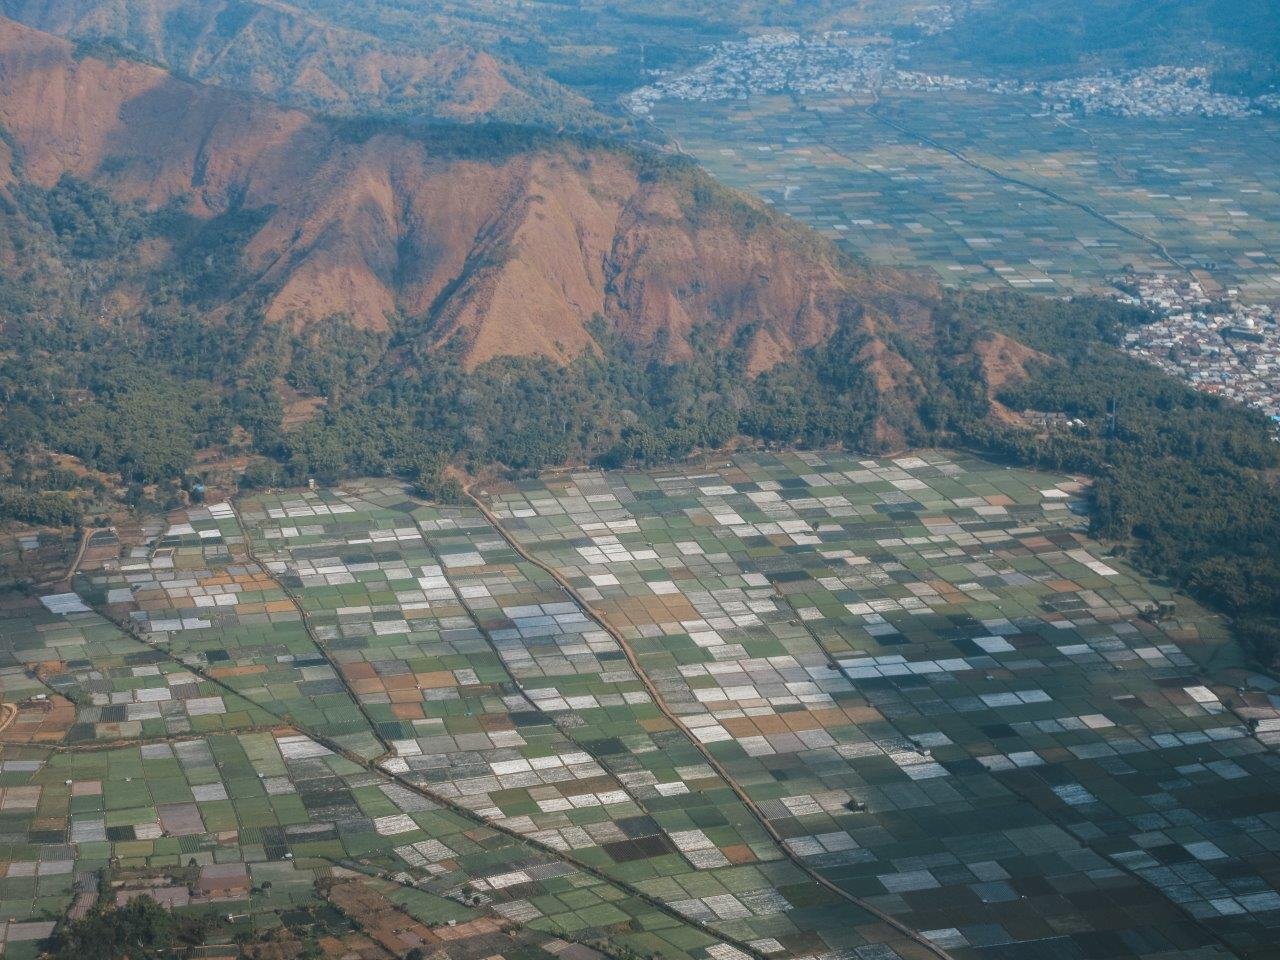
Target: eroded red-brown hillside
(514,249)
(276,50)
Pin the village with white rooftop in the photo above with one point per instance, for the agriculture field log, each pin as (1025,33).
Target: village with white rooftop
(838,62)
(1222,346)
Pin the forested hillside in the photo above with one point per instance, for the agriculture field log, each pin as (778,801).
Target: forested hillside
(1183,481)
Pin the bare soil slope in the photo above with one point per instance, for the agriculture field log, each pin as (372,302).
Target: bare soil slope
(514,249)
(275,50)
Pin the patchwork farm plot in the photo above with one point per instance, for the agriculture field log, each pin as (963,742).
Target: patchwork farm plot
(1204,188)
(81,680)
(938,692)
(273,813)
(199,598)
(495,690)
(794,707)
(247,825)
(36,555)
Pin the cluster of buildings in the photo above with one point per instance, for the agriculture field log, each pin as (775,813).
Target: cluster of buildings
(1221,346)
(1151,93)
(837,62)
(827,63)
(936,19)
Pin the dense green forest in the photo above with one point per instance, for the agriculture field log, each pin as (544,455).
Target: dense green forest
(1181,476)
(139,930)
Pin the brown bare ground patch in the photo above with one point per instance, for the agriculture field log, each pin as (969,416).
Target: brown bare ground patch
(864,715)
(358,670)
(37,721)
(740,727)
(396,931)
(645,610)
(298,409)
(1004,360)
(436,679)
(739,853)
(245,670)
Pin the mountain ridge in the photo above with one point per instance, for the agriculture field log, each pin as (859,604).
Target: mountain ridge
(274,49)
(514,250)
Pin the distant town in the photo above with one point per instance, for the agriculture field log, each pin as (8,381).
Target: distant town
(837,62)
(1152,93)
(1220,346)
(822,64)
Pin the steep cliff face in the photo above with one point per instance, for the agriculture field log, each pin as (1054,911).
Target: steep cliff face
(512,250)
